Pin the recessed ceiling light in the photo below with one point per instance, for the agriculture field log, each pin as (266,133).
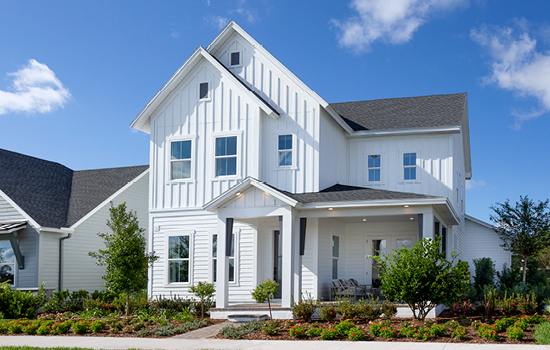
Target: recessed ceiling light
(412,218)
(406,206)
(330,208)
(238,194)
(364,219)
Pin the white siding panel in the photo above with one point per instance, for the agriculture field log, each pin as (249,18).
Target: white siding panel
(9,213)
(28,243)
(49,259)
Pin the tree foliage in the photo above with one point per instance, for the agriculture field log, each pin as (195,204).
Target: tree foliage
(125,255)
(205,292)
(485,274)
(421,277)
(265,291)
(524,228)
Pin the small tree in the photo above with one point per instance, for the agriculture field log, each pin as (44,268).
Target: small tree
(125,257)
(524,228)
(265,291)
(485,274)
(204,291)
(421,277)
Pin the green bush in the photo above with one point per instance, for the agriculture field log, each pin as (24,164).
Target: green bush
(304,308)
(343,327)
(421,277)
(369,311)
(239,332)
(175,303)
(80,327)
(271,328)
(64,301)
(459,332)
(515,333)
(97,326)
(388,332)
(357,334)
(542,333)
(347,308)
(438,330)
(327,312)
(376,326)
(30,328)
(315,332)
(298,331)
(265,291)
(422,333)
(44,330)
(170,330)
(329,334)
(17,304)
(205,292)
(488,332)
(484,274)
(61,327)
(388,309)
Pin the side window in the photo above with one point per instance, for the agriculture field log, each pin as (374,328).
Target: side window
(180,160)
(7,263)
(226,156)
(235,59)
(204,91)
(409,166)
(214,257)
(178,259)
(374,167)
(335,256)
(232,260)
(285,150)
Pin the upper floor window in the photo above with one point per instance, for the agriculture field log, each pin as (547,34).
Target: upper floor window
(235,58)
(374,167)
(285,150)
(180,160)
(178,258)
(226,156)
(409,166)
(204,91)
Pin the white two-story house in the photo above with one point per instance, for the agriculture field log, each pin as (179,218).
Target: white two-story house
(254,176)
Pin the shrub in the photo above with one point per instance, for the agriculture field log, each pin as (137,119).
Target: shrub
(80,327)
(61,327)
(327,312)
(304,308)
(265,291)
(388,332)
(388,309)
(515,333)
(170,330)
(297,331)
(30,328)
(116,327)
(459,332)
(205,292)
(376,326)
(175,303)
(97,326)
(528,305)
(271,328)
(462,309)
(502,324)
(488,332)
(17,304)
(329,334)
(422,333)
(347,308)
(421,277)
(485,274)
(239,332)
(542,333)
(438,330)
(315,331)
(367,311)
(343,327)
(44,330)
(64,301)
(15,327)
(357,334)
(490,303)
(508,305)
(407,330)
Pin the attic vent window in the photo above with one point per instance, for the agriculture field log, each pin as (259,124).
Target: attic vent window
(203,91)
(235,58)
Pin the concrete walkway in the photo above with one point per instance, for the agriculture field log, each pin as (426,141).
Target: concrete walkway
(204,332)
(178,343)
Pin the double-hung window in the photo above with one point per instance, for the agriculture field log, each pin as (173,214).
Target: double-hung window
(178,258)
(226,156)
(374,167)
(335,256)
(7,263)
(285,150)
(409,166)
(214,257)
(180,160)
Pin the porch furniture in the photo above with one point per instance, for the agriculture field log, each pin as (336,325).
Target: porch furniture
(358,292)
(339,290)
(366,289)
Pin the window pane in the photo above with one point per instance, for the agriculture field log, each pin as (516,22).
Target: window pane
(181,150)
(231,147)
(181,170)
(221,167)
(231,166)
(231,269)
(235,58)
(232,254)
(203,93)
(374,161)
(404,243)
(176,151)
(334,269)
(214,246)
(179,271)
(335,246)
(410,173)
(374,175)
(214,269)
(220,146)
(178,247)
(285,158)
(285,142)
(409,159)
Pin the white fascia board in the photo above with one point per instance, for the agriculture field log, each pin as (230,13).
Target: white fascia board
(466,142)
(375,203)
(21,211)
(108,200)
(56,230)
(7,232)
(399,132)
(231,194)
(226,32)
(479,222)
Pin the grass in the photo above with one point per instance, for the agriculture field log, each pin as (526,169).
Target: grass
(542,333)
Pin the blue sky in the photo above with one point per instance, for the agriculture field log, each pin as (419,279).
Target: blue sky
(74,74)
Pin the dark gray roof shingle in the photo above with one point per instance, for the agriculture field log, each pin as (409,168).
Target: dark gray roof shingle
(54,195)
(343,193)
(403,113)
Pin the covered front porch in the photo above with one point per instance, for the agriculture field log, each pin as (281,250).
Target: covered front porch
(304,243)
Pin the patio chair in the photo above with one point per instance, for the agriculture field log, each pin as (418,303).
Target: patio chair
(358,291)
(366,289)
(339,290)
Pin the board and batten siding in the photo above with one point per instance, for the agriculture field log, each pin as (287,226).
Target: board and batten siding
(299,116)
(434,163)
(201,225)
(327,229)
(79,269)
(333,167)
(483,242)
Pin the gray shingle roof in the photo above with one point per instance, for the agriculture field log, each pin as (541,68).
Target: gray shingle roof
(54,195)
(403,113)
(343,193)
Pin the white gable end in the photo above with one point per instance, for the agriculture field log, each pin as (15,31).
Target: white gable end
(255,198)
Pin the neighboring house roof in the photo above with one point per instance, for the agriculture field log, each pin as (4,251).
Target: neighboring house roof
(403,113)
(54,195)
(343,193)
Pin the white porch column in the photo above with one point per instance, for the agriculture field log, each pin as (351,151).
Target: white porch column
(428,224)
(289,258)
(222,285)
(297,291)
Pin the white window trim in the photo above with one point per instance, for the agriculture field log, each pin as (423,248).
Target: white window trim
(294,152)
(335,257)
(169,140)
(404,238)
(211,256)
(419,167)
(209,98)
(167,235)
(237,233)
(15,266)
(240,59)
(216,135)
(382,168)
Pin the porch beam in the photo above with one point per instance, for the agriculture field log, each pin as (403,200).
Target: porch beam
(428,225)
(222,283)
(16,251)
(303,224)
(228,235)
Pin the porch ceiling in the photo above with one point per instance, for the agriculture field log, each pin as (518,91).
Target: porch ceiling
(372,219)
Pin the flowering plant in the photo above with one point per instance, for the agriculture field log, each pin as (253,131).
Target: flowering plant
(357,334)
(297,331)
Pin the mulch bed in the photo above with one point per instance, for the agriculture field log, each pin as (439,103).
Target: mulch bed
(471,335)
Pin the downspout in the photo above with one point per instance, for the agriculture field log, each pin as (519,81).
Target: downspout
(60,277)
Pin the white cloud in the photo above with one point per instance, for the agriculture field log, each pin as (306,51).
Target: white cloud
(242,10)
(517,66)
(394,21)
(174,33)
(218,21)
(473,184)
(35,89)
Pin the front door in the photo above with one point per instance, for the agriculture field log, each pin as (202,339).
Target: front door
(277,260)
(379,243)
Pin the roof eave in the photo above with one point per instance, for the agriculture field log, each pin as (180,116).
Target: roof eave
(412,131)
(374,203)
(466,142)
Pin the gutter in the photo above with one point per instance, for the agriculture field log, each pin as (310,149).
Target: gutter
(60,272)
